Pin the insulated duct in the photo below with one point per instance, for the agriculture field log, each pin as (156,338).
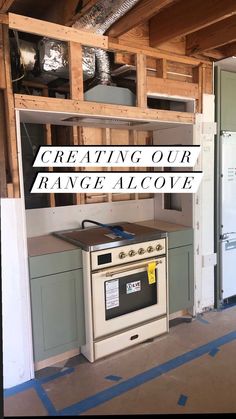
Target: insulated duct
(98,19)
(53,54)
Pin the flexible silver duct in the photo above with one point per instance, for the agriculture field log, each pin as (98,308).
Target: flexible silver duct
(53,57)
(53,54)
(98,19)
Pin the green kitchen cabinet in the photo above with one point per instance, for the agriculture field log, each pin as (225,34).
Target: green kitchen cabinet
(180,270)
(57,303)
(228,100)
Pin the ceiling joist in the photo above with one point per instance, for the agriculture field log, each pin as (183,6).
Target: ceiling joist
(185,17)
(229,50)
(86,6)
(212,37)
(140,13)
(5,5)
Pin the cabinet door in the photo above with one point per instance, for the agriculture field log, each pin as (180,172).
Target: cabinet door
(57,313)
(228,101)
(181,281)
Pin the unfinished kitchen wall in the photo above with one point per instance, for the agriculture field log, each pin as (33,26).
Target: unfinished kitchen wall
(45,220)
(174,208)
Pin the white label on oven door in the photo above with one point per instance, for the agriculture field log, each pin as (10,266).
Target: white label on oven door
(133,287)
(112,294)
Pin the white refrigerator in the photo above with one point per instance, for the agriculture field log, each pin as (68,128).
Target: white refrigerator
(228,214)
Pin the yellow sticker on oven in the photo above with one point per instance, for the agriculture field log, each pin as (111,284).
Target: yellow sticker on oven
(151,273)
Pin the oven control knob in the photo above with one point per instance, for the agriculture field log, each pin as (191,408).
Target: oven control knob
(150,249)
(122,255)
(159,247)
(132,253)
(141,251)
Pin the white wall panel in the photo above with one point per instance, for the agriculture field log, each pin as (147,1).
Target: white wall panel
(45,220)
(16,317)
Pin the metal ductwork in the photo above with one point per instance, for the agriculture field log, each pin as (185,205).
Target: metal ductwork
(50,56)
(98,19)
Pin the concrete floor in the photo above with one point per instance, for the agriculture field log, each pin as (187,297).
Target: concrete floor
(190,370)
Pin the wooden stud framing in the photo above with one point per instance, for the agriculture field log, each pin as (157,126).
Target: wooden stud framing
(77,93)
(3,135)
(4,19)
(161,68)
(48,138)
(207,81)
(154,53)
(106,140)
(172,87)
(164,63)
(141,80)
(86,108)
(2,64)
(10,116)
(76,72)
(133,140)
(197,78)
(52,30)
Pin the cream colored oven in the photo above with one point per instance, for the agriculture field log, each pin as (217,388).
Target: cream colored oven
(125,292)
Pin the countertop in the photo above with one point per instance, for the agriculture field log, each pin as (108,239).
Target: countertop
(163,225)
(42,245)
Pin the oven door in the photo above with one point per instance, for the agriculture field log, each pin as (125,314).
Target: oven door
(126,295)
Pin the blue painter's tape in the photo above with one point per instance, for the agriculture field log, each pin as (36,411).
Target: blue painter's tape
(230,305)
(45,399)
(214,351)
(56,375)
(182,400)
(30,384)
(40,391)
(133,382)
(113,378)
(202,320)
(19,388)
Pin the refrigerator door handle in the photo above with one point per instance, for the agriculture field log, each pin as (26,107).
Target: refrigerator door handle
(225,236)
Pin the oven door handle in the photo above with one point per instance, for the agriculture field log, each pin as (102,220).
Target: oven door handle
(131,268)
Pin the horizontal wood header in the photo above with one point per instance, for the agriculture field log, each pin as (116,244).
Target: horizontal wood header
(55,31)
(93,109)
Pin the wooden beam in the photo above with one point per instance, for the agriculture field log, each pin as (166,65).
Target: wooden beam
(161,68)
(86,6)
(140,13)
(212,37)
(48,141)
(4,19)
(152,52)
(10,117)
(76,71)
(3,137)
(228,50)
(141,80)
(168,87)
(86,108)
(2,64)
(6,5)
(185,17)
(52,30)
